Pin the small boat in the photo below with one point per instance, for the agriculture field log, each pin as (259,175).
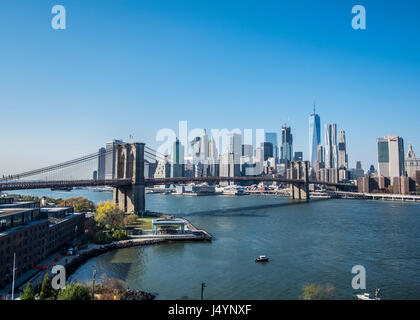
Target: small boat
(68,189)
(368,296)
(261,259)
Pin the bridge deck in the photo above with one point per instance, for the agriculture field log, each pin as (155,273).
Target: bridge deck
(22,185)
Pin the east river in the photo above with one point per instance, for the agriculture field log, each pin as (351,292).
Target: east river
(317,242)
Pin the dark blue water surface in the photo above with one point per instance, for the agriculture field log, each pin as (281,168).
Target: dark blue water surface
(317,242)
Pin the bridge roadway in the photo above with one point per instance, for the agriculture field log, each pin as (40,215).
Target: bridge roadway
(117,183)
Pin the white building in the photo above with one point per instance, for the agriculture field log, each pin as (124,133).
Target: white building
(391,156)
(412,164)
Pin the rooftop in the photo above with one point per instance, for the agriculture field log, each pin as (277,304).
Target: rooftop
(168,221)
(8,212)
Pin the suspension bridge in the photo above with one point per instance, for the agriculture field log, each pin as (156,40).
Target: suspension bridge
(129,182)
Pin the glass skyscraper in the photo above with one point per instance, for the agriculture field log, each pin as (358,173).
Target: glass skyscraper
(272,138)
(314,136)
(331,152)
(177,160)
(286,145)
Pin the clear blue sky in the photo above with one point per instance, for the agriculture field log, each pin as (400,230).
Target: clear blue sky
(133,67)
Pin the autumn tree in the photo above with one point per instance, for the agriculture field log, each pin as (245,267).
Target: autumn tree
(80,204)
(108,216)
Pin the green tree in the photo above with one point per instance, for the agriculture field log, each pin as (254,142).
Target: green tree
(119,235)
(80,204)
(47,292)
(74,291)
(109,216)
(28,293)
(312,291)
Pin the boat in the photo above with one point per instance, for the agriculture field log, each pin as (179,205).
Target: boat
(62,189)
(369,296)
(261,259)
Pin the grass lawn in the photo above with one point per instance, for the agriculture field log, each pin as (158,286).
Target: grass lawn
(144,223)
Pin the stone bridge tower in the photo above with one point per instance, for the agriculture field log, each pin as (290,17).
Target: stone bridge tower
(129,164)
(299,170)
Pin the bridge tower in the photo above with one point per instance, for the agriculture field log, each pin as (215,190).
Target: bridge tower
(299,170)
(129,164)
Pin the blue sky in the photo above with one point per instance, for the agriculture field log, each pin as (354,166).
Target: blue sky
(134,67)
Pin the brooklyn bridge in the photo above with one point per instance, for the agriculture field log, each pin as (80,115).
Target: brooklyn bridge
(129,181)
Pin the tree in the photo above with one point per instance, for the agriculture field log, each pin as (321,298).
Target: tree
(74,291)
(131,219)
(312,291)
(28,293)
(109,216)
(80,204)
(47,292)
(119,235)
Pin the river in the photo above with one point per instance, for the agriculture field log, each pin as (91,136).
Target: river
(317,242)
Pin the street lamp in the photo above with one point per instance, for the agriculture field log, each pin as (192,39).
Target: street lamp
(203,285)
(93,284)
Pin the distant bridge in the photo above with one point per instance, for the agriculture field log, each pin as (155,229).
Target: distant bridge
(129,182)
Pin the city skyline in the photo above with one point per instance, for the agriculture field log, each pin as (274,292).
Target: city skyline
(258,71)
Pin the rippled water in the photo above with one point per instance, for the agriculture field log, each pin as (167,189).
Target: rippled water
(317,242)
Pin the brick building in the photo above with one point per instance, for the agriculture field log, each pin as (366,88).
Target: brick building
(33,234)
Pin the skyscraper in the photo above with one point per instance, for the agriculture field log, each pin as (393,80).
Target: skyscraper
(101,163)
(110,158)
(272,138)
(267,150)
(286,145)
(320,157)
(177,159)
(247,150)
(213,154)
(391,156)
(412,164)
(204,148)
(342,153)
(314,135)
(235,146)
(331,154)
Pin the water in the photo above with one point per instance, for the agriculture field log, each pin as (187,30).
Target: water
(317,242)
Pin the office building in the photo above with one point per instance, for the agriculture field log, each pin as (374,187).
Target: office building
(358,172)
(267,148)
(320,157)
(331,155)
(286,145)
(247,151)
(391,156)
(342,152)
(213,154)
(101,163)
(177,159)
(204,146)
(110,158)
(271,137)
(412,164)
(298,156)
(314,136)
(235,146)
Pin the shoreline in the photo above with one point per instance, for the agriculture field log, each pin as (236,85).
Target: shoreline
(197,235)
(73,263)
